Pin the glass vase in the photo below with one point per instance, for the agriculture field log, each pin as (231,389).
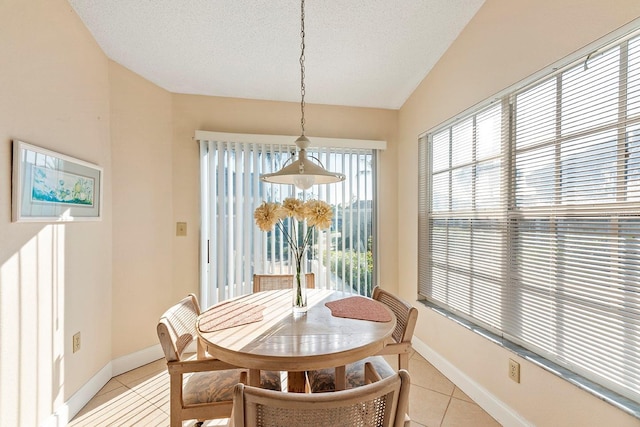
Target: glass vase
(300,284)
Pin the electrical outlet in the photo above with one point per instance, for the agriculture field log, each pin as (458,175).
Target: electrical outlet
(76,342)
(514,370)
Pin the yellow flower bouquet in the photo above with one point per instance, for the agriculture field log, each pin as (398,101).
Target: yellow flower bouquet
(316,213)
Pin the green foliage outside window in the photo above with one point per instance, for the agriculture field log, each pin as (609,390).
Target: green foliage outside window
(358,269)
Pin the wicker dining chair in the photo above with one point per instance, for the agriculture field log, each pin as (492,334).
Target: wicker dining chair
(270,282)
(382,403)
(324,379)
(200,388)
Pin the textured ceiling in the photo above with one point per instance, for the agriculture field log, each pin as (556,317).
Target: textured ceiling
(367,53)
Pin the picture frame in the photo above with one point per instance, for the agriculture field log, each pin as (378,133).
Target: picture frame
(52,187)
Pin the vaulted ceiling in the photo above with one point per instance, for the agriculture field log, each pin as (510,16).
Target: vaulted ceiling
(366,53)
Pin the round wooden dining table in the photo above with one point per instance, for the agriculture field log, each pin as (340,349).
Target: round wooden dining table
(259,331)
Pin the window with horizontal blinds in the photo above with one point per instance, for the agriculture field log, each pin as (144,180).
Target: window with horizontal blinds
(466,223)
(531,223)
(232,246)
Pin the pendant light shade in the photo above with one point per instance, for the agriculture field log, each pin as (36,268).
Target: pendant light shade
(303,172)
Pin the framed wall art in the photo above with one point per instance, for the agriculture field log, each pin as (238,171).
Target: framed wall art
(50,187)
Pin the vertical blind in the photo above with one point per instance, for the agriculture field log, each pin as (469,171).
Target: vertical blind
(233,248)
(530,217)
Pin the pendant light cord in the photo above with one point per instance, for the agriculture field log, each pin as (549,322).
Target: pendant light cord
(302,88)
(302,172)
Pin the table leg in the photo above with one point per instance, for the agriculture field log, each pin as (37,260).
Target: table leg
(296,382)
(254,377)
(341,378)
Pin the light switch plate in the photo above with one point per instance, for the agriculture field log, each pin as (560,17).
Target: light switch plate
(181,228)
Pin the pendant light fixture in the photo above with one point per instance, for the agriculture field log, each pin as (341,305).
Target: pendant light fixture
(303,172)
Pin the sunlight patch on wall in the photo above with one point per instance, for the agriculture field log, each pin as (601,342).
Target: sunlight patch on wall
(32,341)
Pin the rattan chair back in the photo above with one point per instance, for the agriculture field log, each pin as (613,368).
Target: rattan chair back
(271,282)
(382,403)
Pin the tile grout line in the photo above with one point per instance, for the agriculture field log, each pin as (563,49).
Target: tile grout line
(444,415)
(147,400)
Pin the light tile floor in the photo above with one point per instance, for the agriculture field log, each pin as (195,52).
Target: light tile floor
(141,398)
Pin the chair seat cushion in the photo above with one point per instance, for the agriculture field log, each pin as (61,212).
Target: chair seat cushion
(217,386)
(270,380)
(323,380)
(209,387)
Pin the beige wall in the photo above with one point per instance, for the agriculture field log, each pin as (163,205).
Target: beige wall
(111,279)
(504,43)
(55,279)
(192,113)
(156,184)
(143,230)
(58,90)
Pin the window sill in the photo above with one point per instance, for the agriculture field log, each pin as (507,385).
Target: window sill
(623,403)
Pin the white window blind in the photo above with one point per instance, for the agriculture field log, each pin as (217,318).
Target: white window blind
(530,217)
(465,233)
(232,246)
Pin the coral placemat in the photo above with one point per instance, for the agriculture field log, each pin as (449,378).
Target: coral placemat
(359,308)
(229,314)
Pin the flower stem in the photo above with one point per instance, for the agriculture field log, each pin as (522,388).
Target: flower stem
(298,283)
(297,254)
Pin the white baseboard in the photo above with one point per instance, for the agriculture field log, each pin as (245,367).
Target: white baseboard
(135,360)
(69,409)
(490,403)
(65,412)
